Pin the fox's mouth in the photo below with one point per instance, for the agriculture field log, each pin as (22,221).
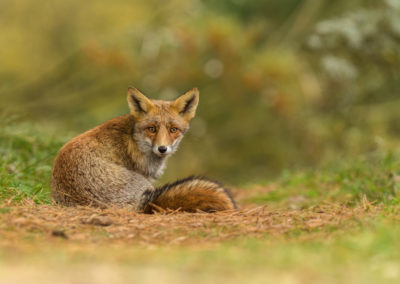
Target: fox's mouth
(161,155)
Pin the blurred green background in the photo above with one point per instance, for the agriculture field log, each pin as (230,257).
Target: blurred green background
(283,84)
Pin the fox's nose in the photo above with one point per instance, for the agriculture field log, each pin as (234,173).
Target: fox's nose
(162,149)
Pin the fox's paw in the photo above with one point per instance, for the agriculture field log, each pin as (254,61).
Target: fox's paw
(146,197)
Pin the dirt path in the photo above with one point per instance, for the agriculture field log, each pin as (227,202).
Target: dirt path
(83,225)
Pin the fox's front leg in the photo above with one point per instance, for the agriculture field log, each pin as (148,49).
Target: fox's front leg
(128,187)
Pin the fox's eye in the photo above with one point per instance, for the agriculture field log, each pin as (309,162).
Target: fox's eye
(173,129)
(152,129)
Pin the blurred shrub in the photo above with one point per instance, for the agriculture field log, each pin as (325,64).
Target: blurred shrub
(359,58)
(269,98)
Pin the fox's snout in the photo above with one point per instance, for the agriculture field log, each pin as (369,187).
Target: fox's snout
(162,141)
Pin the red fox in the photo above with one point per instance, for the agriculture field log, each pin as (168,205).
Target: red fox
(117,162)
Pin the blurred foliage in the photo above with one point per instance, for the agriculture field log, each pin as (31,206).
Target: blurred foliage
(283,84)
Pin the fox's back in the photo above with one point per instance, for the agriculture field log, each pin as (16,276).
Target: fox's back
(107,141)
(94,161)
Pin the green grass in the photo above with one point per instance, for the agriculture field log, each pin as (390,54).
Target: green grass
(375,177)
(27,154)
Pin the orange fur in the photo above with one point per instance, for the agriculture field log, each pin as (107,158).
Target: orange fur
(117,162)
(191,194)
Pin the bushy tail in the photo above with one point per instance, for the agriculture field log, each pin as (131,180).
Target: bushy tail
(191,194)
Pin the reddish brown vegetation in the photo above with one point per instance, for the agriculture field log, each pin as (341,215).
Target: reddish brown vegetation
(115,225)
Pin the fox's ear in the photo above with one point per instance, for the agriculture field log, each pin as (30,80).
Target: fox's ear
(138,103)
(187,103)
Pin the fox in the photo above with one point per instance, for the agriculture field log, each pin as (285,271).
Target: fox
(118,162)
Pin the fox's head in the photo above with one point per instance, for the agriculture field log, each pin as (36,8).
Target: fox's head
(160,125)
